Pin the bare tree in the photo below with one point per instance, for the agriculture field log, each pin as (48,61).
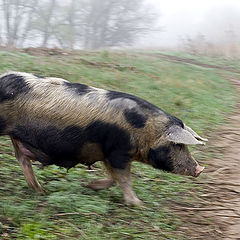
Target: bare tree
(45,17)
(75,23)
(28,24)
(71,21)
(6,10)
(65,24)
(16,20)
(93,24)
(114,23)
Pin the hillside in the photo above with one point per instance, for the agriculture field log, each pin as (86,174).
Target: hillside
(198,94)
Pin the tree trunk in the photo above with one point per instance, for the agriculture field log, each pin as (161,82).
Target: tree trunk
(6,10)
(31,13)
(47,30)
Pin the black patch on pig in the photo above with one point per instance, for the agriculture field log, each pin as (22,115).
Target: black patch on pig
(78,88)
(38,155)
(2,125)
(115,142)
(38,76)
(175,121)
(134,118)
(61,147)
(160,158)
(11,86)
(141,103)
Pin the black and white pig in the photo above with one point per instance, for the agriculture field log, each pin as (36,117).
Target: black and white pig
(54,121)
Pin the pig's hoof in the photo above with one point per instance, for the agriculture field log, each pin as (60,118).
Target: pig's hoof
(38,188)
(101,184)
(134,202)
(42,191)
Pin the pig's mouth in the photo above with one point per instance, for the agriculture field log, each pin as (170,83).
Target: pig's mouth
(198,171)
(195,173)
(190,172)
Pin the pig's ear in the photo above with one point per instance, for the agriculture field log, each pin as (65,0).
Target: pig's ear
(178,134)
(195,134)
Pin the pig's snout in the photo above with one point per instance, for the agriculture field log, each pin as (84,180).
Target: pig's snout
(199,169)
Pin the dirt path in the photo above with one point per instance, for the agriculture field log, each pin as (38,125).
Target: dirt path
(215,213)
(225,173)
(193,61)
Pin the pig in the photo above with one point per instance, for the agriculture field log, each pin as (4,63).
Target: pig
(54,121)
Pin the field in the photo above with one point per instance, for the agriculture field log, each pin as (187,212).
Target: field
(198,95)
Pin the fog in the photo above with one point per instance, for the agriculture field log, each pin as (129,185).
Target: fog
(217,20)
(180,19)
(96,24)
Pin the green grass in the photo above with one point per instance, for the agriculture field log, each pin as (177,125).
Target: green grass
(199,96)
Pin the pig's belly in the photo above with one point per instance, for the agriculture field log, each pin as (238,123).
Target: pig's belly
(88,154)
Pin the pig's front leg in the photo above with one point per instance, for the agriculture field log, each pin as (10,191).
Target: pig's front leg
(123,178)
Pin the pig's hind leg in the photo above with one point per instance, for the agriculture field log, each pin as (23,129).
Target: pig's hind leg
(24,157)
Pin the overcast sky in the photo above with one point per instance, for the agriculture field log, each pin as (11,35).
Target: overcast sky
(181,18)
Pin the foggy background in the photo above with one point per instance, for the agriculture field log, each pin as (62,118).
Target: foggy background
(199,27)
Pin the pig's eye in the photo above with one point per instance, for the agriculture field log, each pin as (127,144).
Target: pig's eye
(179,146)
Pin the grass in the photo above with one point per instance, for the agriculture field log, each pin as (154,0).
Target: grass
(199,96)
(222,61)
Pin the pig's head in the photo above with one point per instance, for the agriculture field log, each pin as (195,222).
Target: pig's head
(172,153)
